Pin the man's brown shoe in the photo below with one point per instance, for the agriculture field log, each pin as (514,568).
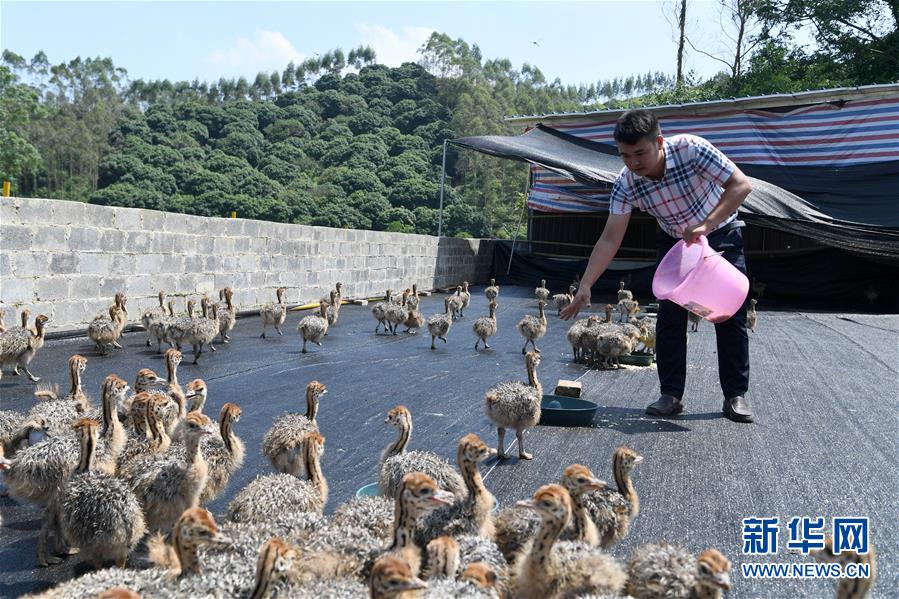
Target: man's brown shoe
(666,405)
(736,409)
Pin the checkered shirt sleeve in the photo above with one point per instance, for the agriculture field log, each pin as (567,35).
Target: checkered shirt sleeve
(622,198)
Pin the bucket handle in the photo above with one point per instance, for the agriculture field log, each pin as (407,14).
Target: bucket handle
(713,255)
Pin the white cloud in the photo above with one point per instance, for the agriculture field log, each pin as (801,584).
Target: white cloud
(268,51)
(391,48)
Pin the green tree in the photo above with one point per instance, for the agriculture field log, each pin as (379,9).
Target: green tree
(415,192)
(19,105)
(374,206)
(129,195)
(353,179)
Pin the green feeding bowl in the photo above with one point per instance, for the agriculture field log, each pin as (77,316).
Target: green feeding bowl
(558,410)
(370,490)
(637,359)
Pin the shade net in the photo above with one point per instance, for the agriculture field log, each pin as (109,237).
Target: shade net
(594,165)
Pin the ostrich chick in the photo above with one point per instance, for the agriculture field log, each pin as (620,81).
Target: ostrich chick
(513,404)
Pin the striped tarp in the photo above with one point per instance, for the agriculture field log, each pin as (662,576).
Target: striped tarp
(554,192)
(821,135)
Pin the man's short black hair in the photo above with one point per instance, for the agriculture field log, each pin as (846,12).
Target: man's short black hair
(634,125)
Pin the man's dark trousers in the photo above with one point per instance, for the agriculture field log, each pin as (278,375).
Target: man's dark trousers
(732,338)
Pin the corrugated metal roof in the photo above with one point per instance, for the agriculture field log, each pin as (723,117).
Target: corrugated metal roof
(711,106)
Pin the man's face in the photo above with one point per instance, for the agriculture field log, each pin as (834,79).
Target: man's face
(644,157)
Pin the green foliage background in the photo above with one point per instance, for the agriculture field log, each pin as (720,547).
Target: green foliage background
(342,141)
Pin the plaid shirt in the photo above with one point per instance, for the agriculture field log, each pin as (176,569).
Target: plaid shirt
(691,187)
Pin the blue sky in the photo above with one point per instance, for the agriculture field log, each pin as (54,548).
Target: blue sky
(576,41)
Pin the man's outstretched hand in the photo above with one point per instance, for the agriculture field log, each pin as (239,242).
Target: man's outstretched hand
(581,300)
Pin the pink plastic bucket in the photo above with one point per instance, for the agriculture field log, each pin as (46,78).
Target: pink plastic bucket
(701,280)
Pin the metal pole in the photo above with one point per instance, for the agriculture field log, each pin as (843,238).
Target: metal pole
(442,182)
(527,186)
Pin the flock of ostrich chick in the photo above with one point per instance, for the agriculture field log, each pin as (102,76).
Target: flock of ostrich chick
(125,482)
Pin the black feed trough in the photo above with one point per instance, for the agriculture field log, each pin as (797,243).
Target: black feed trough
(558,410)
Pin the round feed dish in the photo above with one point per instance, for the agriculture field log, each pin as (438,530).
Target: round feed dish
(558,410)
(637,359)
(370,490)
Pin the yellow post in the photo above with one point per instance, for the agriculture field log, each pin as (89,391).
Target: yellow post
(233,214)
(7,185)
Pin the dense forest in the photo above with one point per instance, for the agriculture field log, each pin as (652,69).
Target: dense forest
(343,141)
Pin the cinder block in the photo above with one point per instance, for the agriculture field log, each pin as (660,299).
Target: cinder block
(34,211)
(63,264)
(284,263)
(95,263)
(15,237)
(162,242)
(153,220)
(205,286)
(69,213)
(81,287)
(9,212)
(206,282)
(231,264)
(212,264)
(247,263)
(31,264)
(95,215)
(69,313)
(568,388)
(146,264)
(172,263)
(193,263)
(233,227)
(112,285)
(242,245)
(112,240)
(290,247)
(17,291)
(122,264)
(183,283)
(272,279)
(128,219)
(259,245)
(7,315)
(195,225)
(6,263)
(253,228)
(137,242)
(223,245)
(143,286)
(205,244)
(257,281)
(185,244)
(176,223)
(223,280)
(50,238)
(93,306)
(169,282)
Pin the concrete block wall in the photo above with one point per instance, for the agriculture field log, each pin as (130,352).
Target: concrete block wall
(68,259)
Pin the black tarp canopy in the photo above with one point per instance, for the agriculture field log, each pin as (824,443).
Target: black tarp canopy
(768,205)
